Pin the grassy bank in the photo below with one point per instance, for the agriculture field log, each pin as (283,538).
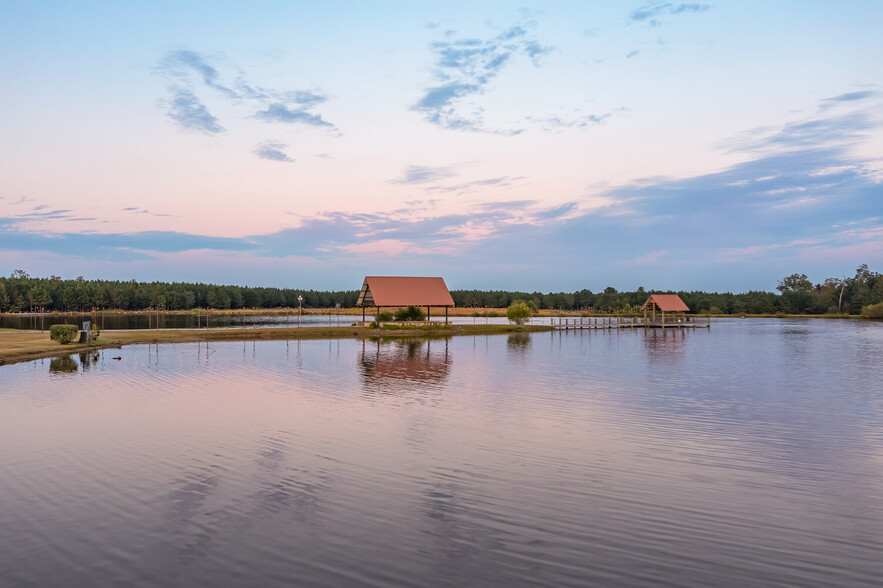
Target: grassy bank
(17,346)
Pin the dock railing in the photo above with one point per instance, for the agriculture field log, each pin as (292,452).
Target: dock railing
(630,322)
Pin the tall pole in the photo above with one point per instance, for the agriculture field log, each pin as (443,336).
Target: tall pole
(300,308)
(840,302)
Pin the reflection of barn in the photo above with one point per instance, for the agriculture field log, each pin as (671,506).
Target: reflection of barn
(671,311)
(404,364)
(397,291)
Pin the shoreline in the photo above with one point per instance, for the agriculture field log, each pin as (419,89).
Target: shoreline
(18,346)
(23,346)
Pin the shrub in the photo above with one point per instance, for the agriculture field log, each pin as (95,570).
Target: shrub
(412,313)
(384,316)
(518,312)
(64,334)
(874,311)
(94,331)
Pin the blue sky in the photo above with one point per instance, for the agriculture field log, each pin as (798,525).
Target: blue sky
(539,146)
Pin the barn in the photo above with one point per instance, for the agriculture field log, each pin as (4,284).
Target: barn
(399,291)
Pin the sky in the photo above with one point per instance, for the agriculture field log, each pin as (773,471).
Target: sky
(549,146)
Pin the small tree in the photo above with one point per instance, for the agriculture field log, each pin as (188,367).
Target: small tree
(412,313)
(518,312)
(64,334)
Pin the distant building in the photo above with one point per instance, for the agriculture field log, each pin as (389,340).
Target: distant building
(665,303)
(399,291)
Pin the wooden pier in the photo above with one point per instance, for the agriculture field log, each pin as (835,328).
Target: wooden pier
(632,322)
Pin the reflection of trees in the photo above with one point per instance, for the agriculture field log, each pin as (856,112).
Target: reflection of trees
(665,345)
(518,341)
(386,366)
(63,365)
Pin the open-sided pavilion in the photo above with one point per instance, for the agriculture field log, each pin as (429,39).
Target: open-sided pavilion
(400,291)
(665,303)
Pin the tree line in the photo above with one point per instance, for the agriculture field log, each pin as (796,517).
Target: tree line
(796,295)
(20,293)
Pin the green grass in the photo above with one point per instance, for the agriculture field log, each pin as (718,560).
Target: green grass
(433,327)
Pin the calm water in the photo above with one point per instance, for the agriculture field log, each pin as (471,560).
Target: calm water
(747,455)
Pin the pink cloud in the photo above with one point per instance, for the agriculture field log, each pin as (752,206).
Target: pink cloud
(650,258)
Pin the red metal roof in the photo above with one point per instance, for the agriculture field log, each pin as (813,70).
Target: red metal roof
(404,291)
(667,303)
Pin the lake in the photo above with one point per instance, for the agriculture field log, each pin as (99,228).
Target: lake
(750,454)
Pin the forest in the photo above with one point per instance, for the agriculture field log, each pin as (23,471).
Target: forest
(796,294)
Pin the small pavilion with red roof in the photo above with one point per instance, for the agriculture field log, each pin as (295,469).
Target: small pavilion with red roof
(665,303)
(399,291)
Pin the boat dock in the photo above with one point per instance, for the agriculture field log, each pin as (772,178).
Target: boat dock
(632,322)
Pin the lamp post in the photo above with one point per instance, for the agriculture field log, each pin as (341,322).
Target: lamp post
(300,308)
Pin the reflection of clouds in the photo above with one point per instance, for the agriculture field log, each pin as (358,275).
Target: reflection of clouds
(209,503)
(397,366)
(291,491)
(469,549)
(189,526)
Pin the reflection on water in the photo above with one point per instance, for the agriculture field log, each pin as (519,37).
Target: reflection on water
(396,365)
(63,365)
(665,345)
(518,341)
(744,455)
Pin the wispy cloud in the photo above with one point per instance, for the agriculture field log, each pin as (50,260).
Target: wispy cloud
(146,212)
(423,174)
(281,113)
(651,258)
(464,187)
(41,213)
(190,71)
(556,123)
(651,13)
(853,96)
(464,68)
(632,53)
(272,151)
(182,63)
(848,99)
(189,113)
(798,135)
